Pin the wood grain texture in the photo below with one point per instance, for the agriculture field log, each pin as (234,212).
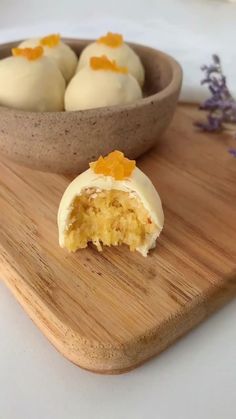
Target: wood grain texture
(109,312)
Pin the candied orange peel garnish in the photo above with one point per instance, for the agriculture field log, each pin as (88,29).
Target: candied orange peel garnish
(112,40)
(114,164)
(103,63)
(30,53)
(50,40)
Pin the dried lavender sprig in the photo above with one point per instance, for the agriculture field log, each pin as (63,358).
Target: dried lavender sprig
(221,106)
(232,151)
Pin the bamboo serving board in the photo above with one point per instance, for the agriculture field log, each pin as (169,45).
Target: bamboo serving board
(109,312)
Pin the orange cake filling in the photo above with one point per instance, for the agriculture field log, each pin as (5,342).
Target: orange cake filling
(103,63)
(51,41)
(108,217)
(30,53)
(114,164)
(112,40)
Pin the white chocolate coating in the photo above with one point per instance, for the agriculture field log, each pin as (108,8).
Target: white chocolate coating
(96,88)
(31,85)
(138,183)
(64,57)
(123,55)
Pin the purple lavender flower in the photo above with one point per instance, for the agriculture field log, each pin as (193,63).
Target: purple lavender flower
(221,106)
(232,151)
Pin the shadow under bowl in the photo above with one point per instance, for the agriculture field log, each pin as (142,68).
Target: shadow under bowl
(65,142)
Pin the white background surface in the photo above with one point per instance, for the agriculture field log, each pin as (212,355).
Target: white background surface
(195,378)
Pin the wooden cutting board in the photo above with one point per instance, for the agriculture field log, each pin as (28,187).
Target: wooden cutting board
(109,312)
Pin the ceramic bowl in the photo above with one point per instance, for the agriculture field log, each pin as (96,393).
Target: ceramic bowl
(64,142)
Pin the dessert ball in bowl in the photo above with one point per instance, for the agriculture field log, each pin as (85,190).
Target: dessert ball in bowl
(30,81)
(113,46)
(102,83)
(66,141)
(62,55)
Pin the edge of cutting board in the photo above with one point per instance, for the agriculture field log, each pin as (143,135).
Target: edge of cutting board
(105,359)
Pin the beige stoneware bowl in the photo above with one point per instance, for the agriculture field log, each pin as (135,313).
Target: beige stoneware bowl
(65,142)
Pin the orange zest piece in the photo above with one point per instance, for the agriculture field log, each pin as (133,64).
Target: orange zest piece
(50,40)
(103,63)
(114,164)
(30,53)
(112,40)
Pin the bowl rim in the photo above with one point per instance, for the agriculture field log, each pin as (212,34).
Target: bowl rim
(176,80)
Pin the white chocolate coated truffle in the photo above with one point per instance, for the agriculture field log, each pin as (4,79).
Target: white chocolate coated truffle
(35,85)
(96,88)
(138,185)
(64,56)
(123,55)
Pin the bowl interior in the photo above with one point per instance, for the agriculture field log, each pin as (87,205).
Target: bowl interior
(158,69)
